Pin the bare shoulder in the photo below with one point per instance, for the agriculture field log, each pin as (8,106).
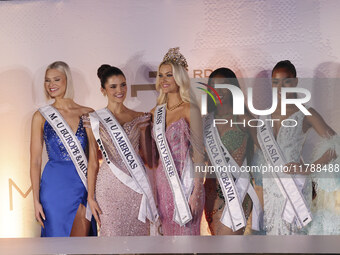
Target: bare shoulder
(191,112)
(38,121)
(135,114)
(153,111)
(191,109)
(85,110)
(247,116)
(37,117)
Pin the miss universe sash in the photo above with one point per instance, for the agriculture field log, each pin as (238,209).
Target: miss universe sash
(138,181)
(181,188)
(295,208)
(70,142)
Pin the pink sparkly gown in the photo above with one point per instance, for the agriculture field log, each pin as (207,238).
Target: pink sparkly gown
(119,204)
(178,137)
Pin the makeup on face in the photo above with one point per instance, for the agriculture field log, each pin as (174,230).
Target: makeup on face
(55,83)
(116,88)
(282,78)
(167,80)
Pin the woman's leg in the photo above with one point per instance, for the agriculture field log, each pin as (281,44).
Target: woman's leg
(81,226)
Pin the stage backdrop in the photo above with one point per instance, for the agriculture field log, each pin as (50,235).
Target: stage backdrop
(245,35)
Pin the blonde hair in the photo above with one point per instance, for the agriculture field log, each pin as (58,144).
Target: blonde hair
(62,67)
(182,80)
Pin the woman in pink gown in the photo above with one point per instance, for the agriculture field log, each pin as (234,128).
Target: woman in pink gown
(183,134)
(114,205)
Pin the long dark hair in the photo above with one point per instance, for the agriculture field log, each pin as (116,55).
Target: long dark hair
(231,78)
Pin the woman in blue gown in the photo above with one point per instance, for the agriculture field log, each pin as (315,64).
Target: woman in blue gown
(60,196)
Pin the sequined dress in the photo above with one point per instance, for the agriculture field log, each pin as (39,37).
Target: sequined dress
(179,140)
(119,204)
(61,189)
(290,140)
(235,140)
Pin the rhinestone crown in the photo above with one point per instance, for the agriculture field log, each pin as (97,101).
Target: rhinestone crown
(173,55)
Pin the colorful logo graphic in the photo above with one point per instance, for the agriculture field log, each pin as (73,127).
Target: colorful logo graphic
(209,93)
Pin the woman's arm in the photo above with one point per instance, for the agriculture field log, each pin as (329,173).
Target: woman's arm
(193,116)
(323,130)
(145,144)
(92,171)
(154,150)
(36,148)
(320,126)
(252,130)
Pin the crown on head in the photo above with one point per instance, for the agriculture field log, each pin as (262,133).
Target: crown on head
(173,55)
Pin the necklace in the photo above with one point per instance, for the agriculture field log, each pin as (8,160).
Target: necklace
(175,106)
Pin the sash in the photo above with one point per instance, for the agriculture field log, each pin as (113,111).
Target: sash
(138,181)
(181,188)
(216,152)
(70,142)
(233,215)
(295,209)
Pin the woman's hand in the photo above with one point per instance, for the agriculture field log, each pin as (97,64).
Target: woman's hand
(196,202)
(39,213)
(95,209)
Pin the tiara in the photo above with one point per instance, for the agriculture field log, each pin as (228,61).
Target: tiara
(173,55)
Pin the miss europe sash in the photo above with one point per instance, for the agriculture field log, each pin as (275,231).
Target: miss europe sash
(233,215)
(295,208)
(70,142)
(138,181)
(181,188)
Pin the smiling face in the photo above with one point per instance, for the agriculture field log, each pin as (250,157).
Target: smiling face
(55,83)
(166,79)
(282,77)
(115,88)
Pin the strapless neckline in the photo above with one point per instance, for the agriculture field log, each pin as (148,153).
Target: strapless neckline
(176,122)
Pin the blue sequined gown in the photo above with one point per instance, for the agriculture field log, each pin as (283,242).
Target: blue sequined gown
(61,189)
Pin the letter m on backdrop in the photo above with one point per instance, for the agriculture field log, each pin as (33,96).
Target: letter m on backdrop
(12,185)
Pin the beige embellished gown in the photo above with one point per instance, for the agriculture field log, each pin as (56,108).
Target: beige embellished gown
(119,204)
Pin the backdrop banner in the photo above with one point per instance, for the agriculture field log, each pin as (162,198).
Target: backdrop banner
(247,36)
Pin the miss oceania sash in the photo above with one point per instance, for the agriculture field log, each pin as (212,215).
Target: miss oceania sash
(138,181)
(233,215)
(181,188)
(219,156)
(295,208)
(70,142)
